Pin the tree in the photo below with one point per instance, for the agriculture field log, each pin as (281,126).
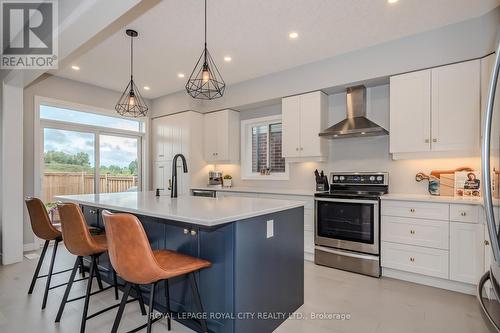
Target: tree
(133,167)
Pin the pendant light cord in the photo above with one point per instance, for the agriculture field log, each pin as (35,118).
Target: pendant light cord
(205,57)
(131,57)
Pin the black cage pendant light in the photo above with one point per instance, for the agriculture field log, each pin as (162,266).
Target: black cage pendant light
(205,81)
(131,103)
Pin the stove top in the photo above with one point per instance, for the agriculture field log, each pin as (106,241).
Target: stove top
(357,184)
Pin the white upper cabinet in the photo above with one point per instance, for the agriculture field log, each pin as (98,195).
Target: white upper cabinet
(486,68)
(410,105)
(303,118)
(455,106)
(436,110)
(222,136)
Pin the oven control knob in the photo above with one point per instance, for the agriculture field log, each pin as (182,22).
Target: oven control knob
(372,178)
(335,178)
(379,178)
(342,177)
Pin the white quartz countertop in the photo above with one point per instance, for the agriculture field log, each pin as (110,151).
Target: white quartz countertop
(267,190)
(433,198)
(198,210)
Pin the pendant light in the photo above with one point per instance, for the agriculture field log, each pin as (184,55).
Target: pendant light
(205,82)
(131,103)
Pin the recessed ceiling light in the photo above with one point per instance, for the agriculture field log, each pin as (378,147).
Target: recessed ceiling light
(76,68)
(293,35)
(392,1)
(146,88)
(180,75)
(227,58)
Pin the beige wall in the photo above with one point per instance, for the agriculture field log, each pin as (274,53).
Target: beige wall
(61,89)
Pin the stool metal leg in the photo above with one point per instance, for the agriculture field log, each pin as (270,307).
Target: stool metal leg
(141,300)
(197,300)
(68,289)
(119,314)
(115,283)
(169,313)
(98,276)
(150,310)
(93,267)
(82,267)
(38,266)
(49,276)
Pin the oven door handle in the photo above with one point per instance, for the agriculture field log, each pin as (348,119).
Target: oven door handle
(348,253)
(373,202)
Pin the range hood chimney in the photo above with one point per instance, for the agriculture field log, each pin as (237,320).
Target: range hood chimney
(356,124)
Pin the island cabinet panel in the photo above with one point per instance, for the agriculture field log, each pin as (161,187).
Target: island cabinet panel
(216,284)
(269,271)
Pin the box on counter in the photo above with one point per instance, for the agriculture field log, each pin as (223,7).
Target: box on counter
(467,184)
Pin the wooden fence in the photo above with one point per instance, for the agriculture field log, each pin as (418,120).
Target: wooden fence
(61,183)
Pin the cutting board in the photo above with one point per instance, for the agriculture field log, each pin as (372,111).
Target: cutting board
(447,180)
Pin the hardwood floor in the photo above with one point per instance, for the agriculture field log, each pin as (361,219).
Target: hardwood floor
(373,305)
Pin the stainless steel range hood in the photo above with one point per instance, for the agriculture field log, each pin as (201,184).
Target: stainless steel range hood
(356,124)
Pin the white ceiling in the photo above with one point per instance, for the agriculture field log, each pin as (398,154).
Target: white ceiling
(255,34)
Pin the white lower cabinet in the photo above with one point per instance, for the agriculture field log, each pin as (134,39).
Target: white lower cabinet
(466,252)
(416,259)
(433,240)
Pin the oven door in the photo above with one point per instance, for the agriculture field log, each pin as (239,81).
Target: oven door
(348,224)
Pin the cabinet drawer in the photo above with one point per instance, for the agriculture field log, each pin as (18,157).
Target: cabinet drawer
(415,259)
(464,213)
(420,232)
(421,210)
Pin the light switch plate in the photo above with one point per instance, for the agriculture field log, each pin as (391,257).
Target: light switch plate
(270,228)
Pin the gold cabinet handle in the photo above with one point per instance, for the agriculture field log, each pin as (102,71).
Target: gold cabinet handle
(412,232)
(186,231)
(434,140)
(463,213)
(412,259)
(193,232)
(486,242)
(412,210)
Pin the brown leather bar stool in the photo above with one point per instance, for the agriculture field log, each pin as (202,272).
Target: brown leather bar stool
(133,259)
(80,242)
(44,229)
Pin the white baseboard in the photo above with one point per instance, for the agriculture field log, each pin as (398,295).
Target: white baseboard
(460,287)
(30,247)
(309,256)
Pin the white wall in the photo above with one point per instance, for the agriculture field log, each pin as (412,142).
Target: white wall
(354,154)
(65,90)
(462,41)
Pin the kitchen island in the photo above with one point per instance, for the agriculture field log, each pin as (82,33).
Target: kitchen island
(256,247)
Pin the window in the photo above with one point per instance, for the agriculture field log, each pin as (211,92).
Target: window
(262,149)
(85,152)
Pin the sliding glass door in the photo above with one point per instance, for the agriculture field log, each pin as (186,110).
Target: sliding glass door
(119,166)
(68,163)
(86,153)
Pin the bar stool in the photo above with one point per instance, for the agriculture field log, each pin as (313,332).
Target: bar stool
(80,242)
(44,229)
(133,259)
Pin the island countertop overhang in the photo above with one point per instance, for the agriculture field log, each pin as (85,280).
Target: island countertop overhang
(208,212)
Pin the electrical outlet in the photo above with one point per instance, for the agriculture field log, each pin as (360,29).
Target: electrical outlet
(270,228)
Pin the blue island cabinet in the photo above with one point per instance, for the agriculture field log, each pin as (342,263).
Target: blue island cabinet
(251,273)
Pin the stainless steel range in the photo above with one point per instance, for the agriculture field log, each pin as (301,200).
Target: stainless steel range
(347,222)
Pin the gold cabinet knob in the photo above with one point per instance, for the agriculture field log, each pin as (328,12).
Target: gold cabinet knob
(412,259)
(412,232)
(186,231)
(434,140)
(297,149)
(463,213)
(193,232)
(486,242)
(426,140)
(412,210)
